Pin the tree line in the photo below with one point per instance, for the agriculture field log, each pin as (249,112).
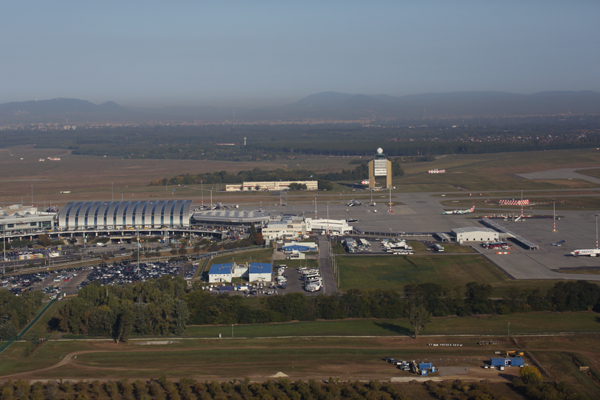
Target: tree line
(154,307)
(439,301)
(528,384)
(164,307)
(17,311)
(257,175)
(281,389)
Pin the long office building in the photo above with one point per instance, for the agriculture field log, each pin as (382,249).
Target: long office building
(125,214)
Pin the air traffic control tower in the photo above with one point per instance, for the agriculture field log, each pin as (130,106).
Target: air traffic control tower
(380,166)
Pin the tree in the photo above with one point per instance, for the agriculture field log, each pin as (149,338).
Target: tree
(124,322)
(397,168)
(418,317)
(44,240)
(297,186)
(324,185)
(530,375)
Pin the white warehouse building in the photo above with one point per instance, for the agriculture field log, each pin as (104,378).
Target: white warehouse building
(475,234)
(334,226)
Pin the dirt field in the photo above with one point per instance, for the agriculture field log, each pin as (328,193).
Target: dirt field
(90,178)
(257,359)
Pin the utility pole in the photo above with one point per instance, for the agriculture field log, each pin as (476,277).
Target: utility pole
(521,204)
(554,214)
(596,231)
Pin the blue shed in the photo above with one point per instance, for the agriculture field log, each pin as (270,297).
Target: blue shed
(295,247)
(507,361)
(425,365)
(498,361)
(517,361)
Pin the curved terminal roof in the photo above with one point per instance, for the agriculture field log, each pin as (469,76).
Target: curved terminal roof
(125,214)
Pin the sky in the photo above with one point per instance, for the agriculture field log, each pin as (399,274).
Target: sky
(255,53)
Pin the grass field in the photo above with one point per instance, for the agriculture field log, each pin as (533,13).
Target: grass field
(263,352)
(485,325)
(384,272)
(496,171)
(261,256)
(593,172)
(92,178)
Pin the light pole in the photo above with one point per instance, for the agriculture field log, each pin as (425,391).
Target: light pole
(202,194)
(596,231)
(521,203)
(554,214)
(112,191)
(391,199)
(211,203)
(31,195)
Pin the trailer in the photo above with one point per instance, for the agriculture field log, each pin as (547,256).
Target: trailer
(507,361)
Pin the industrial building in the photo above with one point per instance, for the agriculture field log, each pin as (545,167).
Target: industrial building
(269,185)
(254,272)
(474,234)
(300,247)
(289,227)
(220,273)
(333,226)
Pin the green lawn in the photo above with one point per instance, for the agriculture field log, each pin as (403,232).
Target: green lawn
(262,256)
(393,272)
(386,272)
(484,325)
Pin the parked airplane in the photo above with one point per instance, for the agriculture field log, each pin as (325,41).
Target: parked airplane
(586,252)
(452,212)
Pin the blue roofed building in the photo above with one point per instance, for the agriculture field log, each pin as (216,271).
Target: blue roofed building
(220,273)
(302,247)
(262,272)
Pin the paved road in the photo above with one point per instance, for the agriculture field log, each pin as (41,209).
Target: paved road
(325,266)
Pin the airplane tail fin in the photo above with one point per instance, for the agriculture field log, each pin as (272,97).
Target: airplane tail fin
(472,208)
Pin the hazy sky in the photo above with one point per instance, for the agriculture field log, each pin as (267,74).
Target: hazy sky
(255,52)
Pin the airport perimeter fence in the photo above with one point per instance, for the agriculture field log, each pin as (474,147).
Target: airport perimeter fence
(29,325)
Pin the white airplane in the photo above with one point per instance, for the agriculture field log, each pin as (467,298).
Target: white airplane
(452,212)
(586,252)
(353,203)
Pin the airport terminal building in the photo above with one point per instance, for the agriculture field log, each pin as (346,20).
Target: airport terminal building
(125,214)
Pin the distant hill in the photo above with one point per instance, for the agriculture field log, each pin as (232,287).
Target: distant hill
(330,105)
(325,106)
